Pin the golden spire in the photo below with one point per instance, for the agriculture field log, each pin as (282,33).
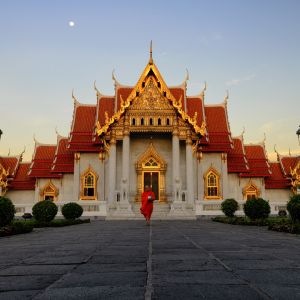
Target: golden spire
(74,98)
(243,132)
(275,150)
(202,94)
(226,98)
(151,59)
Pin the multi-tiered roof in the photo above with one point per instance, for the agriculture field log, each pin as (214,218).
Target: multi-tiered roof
(91,122)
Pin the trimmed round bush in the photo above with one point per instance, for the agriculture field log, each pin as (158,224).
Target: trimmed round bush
(7,211)
(257,208)
(44,211)
(229,207)
(293,207)
(71,211)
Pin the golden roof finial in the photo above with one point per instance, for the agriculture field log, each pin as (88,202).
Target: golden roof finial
(8,154)
(202,94)
(74,98)
(275,150)
(226,97)
(98,94)
(243,132)
(265,137)
(151,59)
(290,152)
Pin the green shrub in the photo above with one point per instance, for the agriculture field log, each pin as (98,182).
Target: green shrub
(71,211)
(293,207)
(21,227)
(257,209)
(44,211)
(229,207)
(58,223)
(7,211)
(16,227)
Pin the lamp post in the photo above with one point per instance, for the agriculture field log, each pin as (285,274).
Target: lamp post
(0,133)
(298,134)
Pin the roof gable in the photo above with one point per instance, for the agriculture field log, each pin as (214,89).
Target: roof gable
(151,71)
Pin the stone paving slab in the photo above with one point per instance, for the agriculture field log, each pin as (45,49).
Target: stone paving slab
(26,282)
(102,279)
(93,293)
(36,270)
(209,291)
(19,295)
(167,260)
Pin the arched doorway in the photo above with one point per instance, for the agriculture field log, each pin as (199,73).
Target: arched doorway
(151,171)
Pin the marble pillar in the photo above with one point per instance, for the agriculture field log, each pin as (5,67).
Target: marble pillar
(189,174)
(112,172)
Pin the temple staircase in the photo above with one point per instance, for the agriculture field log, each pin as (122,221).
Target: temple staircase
(160,211)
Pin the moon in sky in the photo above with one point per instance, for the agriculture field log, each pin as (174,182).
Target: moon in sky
(71,23)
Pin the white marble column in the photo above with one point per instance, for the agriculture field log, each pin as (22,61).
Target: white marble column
(175,160)
(200,180)
(76,178)
(189,174)
(101,181)
(112,172)
(125,169)
(224,176)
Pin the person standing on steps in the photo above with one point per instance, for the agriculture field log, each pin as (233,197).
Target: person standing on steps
(147,203)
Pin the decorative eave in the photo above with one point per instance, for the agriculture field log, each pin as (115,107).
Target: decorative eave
(241,138)
(139,88)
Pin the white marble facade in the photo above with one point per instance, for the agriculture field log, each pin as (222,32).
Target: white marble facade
(117,182)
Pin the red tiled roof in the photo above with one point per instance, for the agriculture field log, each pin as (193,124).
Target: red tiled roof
(82,132)
(236,158)
(63,159)
(11,163)
(277,179)
(178,93)
(257,161)
(22,181)
(125,92)
(218,130)
(194,104)
(288,163)
(105,104)
(42,162)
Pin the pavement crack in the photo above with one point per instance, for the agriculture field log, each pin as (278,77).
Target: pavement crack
(149,287)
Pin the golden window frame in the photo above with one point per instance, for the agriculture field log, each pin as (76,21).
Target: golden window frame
(88,172)
(209,172)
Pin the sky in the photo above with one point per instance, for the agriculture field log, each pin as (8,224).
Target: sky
(250,48)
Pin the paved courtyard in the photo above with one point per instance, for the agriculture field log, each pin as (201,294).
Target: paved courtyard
(167,260)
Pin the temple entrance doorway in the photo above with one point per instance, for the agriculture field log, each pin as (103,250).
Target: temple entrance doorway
(151,171)
(152,180)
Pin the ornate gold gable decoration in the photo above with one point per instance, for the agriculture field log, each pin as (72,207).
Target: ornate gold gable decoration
(151,161)
(295,178)
(3,180)
(151,99)
(49,191)
(151,73)
(250,190)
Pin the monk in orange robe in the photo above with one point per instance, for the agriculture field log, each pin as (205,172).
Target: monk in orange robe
(147,203)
